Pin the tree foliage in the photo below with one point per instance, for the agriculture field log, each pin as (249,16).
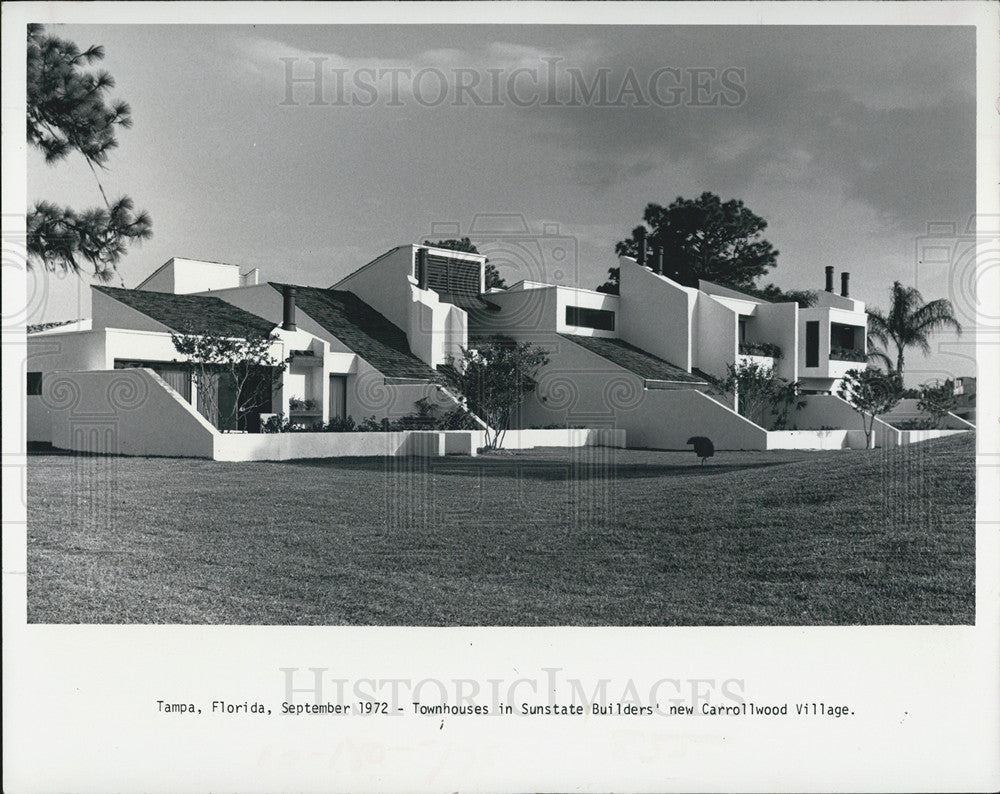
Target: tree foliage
(245,364)
(491,276)
(872,393)
(761,396)
(937,400)
(804,297)
(494,378)
(909,323)
(68,110)
(702,238)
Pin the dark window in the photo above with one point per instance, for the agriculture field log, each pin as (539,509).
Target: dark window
(743,331)
(812,343)
(600,319)
(34,384)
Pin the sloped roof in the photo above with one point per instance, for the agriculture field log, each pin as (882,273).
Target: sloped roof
(192,314)
(369,334)
(635,360)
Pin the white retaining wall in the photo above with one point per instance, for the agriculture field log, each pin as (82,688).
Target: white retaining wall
(914,436)
(829,411)
(907,409)
(123,412)
(428,443)
(291,446)
(134,412)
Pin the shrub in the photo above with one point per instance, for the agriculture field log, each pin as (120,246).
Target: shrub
(760,349)
(760,393)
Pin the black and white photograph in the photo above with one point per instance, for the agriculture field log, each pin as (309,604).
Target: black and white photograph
(485,383)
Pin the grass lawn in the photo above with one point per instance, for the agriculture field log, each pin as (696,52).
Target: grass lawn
(550,537)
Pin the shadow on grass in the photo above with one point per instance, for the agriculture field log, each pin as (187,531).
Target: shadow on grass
(530,468)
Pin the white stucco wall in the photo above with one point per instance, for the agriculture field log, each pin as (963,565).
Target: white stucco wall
(83,350)
(385,284)
(656,314)
(778,324)
(717,336)
(106,312)
(181,276)
(813,439)
(123,412)
(368,394)
(834,300)
(667,419)
(529,314)
(72,351)
(435,330)
(908,409)
(588,299)
(292,446)
(830,411)
(829,372)
(579,387)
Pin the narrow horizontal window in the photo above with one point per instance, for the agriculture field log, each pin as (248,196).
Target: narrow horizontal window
(599,319)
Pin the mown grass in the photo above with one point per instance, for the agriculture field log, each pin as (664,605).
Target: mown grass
(554,537)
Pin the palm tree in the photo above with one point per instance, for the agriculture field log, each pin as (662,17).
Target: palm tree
(908,324)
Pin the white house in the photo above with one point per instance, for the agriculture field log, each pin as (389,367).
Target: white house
(371,345)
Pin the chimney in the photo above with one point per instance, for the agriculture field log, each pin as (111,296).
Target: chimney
(422,268)
(642,245)
(288,308)
(829,278)
(845,280)
(658,267)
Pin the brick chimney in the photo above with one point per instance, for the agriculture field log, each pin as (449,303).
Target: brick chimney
(829,278)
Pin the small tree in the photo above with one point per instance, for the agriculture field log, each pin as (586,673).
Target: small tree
(938,400)
(871,392)
(760,393)
(245,364)
(494,379)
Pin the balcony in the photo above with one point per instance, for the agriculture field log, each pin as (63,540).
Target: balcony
(847,354)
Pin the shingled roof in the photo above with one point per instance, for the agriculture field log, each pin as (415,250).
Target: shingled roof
(369,334)
(634,359)
(192,314)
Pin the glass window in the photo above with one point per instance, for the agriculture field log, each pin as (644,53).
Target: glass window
(599,319)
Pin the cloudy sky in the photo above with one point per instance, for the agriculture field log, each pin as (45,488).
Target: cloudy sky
(848,141)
